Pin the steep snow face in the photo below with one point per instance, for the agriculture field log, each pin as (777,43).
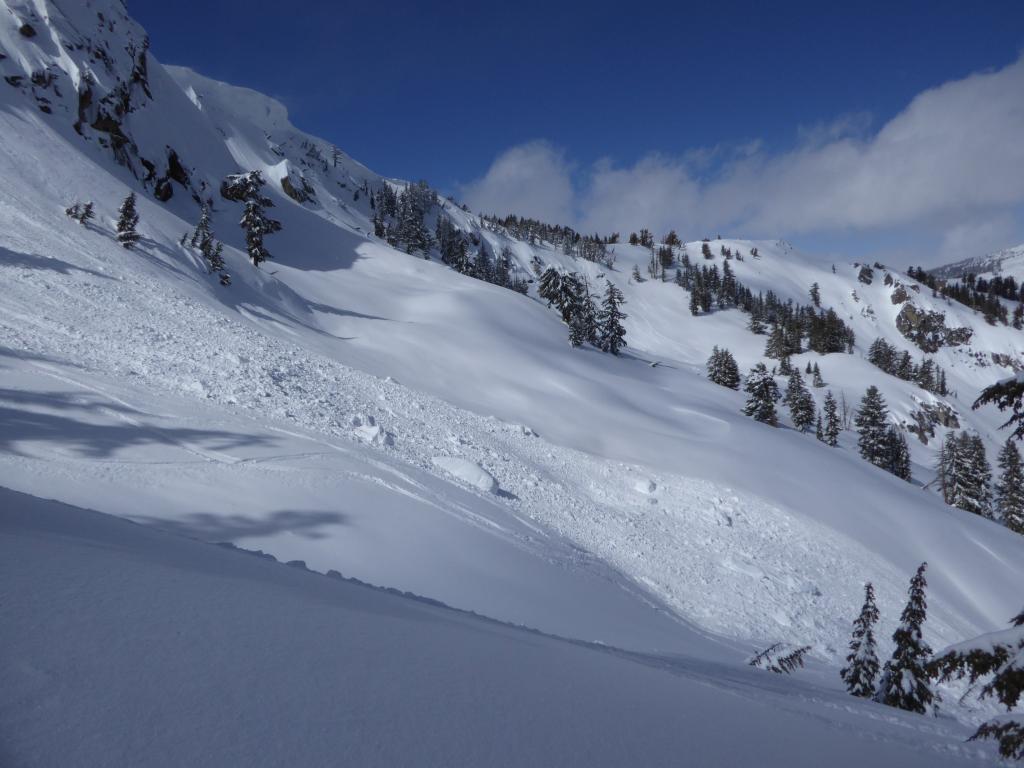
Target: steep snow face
(1008,262)
(234,660)
(315,408)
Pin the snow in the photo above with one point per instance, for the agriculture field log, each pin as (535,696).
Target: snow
(362,410)
(159,650)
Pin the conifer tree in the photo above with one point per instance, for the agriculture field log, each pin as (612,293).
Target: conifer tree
(799,401)
(128,219)
(722,368)
(255,226)
(819,430)
(763,394)
(998,656)
(583,327)
(833,424)
(570,289)
(872,425)
(611,333)
(550,286)
(815,294)
(254,220)
(898,458)
(87,214)
(817,381)
(776,346)
(1010,488)
(203,230)
(905,680)
(862,665)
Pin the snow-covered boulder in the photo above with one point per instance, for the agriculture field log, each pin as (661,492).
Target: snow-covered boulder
(468,472)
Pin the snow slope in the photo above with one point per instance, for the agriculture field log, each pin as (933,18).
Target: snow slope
(258,664)
(376,413)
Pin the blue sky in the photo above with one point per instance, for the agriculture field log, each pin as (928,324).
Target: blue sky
(439,91)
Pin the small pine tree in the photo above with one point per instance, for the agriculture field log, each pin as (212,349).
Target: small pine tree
(550,286)
(611,333)
(87,214)
(817,381)
(763,394)
(1010,488)
(833,424)
(722,368)
(203,230)
(872,425)
(905,680)
(819,431)
(799,401)
(637,277)
(862,666)
(898,459)
(128,219)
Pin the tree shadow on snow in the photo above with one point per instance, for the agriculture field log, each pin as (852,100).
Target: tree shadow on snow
(213,527)
(9,258)
(92,440)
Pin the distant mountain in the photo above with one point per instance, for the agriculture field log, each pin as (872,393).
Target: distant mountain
(1007,262)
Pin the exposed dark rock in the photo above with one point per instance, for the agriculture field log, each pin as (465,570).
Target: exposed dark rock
(176,170)
(163,190)
(1009,361)
(888,279)
(14,80)
(928,329)
(27,30)
(866,275)
(899,294)
(300,193)
(929,416)
(235,187)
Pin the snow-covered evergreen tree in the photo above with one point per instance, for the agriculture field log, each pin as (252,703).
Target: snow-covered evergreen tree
(776,346)
(905,680)
(862,665)
(898,459)
(799,401)
(1010,487)
(763,394)
(127,220)
(833,424)
(872,422)
(611,333)
(817,381)
(999,656)
(722,368)
(254,220)
(203,231)
(550,286)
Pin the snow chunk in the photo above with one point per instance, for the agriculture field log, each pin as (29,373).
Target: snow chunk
(645,486)
(467,472)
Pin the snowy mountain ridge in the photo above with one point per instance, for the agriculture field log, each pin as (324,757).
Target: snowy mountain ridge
(1007,262)
(371,411)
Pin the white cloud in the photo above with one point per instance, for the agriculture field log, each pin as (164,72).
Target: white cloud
(532,179)
(949,166)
